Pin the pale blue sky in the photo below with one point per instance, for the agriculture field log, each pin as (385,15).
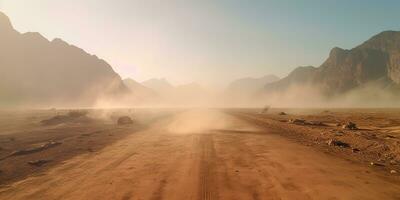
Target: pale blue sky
(207,41)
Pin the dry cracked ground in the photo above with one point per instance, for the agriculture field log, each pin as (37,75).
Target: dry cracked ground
(194,154)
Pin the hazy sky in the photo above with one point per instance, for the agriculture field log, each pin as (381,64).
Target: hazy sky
(207,41)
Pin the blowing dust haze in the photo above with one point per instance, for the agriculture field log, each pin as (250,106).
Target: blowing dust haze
(199,99)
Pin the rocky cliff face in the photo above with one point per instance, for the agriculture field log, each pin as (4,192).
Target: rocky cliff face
(36,71)
(377,59)
(387,42)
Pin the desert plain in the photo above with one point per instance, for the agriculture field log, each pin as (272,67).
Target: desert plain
(241,153)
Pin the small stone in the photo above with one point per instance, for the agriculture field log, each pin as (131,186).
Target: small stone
(393,171)
(377,164)
(317,123)
(38,163)
(339,133)
(388,137)
(355,150)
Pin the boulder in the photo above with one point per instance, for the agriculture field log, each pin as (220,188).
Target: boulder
(124,120)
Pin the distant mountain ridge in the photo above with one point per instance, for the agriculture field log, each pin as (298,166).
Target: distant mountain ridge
(241,91)
(37,71)
(179,95)
(159,85)
(252,83)
(376,60)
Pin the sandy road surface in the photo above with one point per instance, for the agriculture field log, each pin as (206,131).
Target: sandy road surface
(205,155)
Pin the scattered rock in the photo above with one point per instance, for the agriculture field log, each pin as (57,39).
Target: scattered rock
(389,136)
(35,149)
(377,164)
(350,126)
(393,171)
(333,142)
(124,120)
(355,150)
(38,163)
(282,113)
(316,123)
(297,121)
(393,162)
(71,117)
(339,133)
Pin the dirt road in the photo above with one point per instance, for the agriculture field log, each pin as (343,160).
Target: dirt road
(205,154)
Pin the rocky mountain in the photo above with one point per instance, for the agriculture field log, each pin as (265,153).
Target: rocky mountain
(36,71)
(376,60)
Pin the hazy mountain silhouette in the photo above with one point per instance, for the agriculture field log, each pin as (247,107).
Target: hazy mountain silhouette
(250,85)
(161,85)
(180,95)
(36,71)
(141,92)
(192,94)
(241,91)
(376,60)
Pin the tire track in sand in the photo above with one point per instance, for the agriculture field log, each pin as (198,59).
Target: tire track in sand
(207,186)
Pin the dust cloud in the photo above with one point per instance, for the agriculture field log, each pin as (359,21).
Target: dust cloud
(369,96)
(198,121)
(298,96)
